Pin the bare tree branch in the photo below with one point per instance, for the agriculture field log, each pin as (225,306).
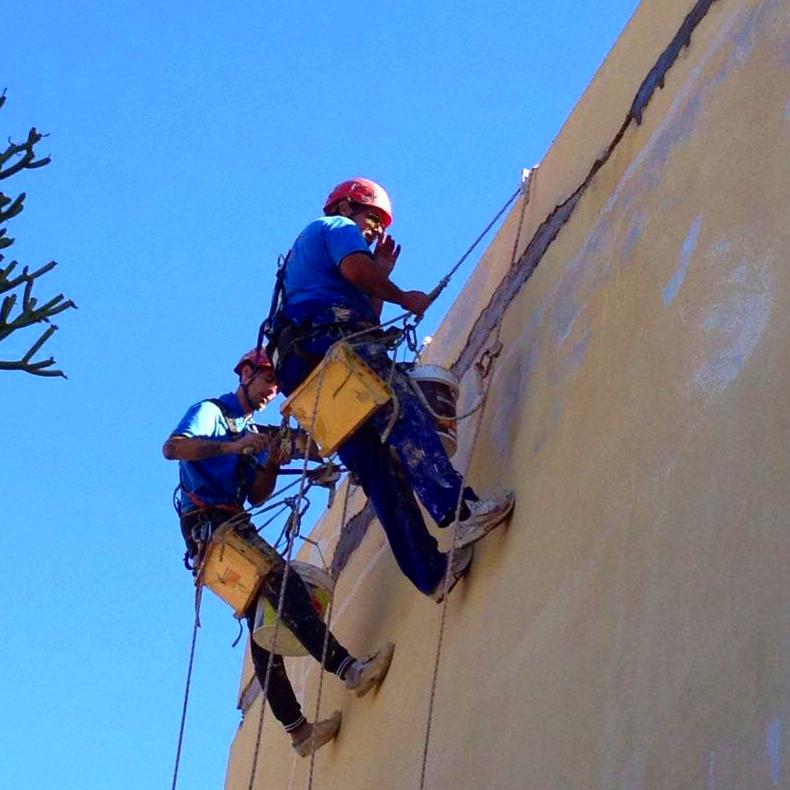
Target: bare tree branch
(12,210)
(16,316)
(36,368)
(29,313)
(26,154)
(7,285)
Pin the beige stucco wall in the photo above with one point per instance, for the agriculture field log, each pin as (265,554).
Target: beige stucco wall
(631,628)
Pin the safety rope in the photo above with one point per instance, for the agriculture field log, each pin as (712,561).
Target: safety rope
(195,627)
(489,363)
(272,651)
(325,649)
(281,600)
(447,277)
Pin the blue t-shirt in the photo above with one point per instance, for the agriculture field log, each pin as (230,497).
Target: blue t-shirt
(217,480)
(313,280)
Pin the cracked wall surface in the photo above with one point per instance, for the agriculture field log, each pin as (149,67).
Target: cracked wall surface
(629,629)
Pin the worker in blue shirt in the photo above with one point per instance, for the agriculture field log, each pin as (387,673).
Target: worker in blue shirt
(334,286)
(223,463)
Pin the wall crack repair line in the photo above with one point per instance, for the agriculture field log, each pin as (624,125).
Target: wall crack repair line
(549,229)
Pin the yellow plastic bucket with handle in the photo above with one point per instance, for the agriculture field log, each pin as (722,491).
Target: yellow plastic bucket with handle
(235,566)
(336,398)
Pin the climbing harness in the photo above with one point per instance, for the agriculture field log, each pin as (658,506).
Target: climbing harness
(269,329)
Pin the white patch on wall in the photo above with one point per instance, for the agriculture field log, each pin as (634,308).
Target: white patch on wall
(735,326)
(721,247)
(686,251)
(773,743)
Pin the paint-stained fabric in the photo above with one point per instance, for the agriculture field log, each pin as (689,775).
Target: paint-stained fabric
(411,461)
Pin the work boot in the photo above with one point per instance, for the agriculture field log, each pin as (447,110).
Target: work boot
(320,733)
(484,515)
(368,672)
(462,559)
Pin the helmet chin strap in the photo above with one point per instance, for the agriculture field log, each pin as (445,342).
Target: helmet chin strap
(248,406)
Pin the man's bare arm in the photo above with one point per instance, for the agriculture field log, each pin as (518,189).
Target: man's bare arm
(193,448)
(363,272)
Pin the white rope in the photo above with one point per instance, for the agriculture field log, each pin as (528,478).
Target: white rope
(281,600)
(326,644)
(451,555)
(195,627)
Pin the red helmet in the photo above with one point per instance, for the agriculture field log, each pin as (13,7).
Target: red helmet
(256,359)
(364,191)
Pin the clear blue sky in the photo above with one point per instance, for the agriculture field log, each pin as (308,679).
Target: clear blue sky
(190,143)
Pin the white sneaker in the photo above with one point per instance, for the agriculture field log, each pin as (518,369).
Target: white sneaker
(368,672)
(462,559)
(320,733)
(484,515)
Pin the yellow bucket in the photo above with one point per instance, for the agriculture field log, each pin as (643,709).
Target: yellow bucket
(320,586)
(349,393)
(234,567)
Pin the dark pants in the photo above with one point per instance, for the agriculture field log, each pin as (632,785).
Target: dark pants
(298,616)
(412,461)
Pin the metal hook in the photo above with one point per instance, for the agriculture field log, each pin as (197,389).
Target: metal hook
(486,361)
